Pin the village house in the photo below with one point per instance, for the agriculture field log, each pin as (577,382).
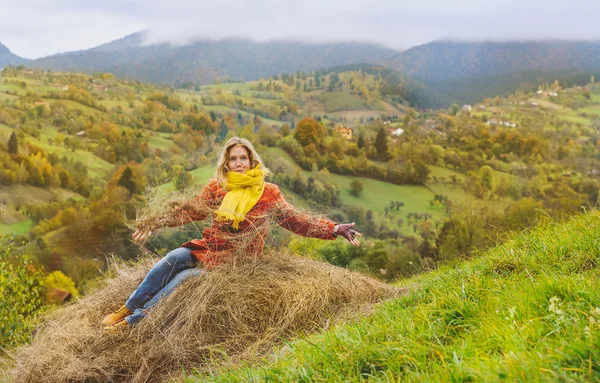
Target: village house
(395,132)
(344,132)
(467,109)
(481,107)
(81,133)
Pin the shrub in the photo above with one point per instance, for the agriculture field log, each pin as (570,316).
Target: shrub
(20,289)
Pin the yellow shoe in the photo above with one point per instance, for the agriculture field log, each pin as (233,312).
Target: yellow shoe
(117,327)
(117,316)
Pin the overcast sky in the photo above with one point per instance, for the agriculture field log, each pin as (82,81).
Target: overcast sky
(35,28)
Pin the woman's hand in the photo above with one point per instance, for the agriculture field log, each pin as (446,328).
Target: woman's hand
(141,234)
(346,231)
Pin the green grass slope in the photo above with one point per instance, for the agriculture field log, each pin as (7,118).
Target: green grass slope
(526,311)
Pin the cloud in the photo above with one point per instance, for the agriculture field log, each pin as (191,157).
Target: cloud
(43,27)
(35,31)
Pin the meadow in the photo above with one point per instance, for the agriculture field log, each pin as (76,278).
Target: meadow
(462,323)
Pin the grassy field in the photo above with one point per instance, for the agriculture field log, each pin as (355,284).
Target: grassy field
(5,132)
(97,167)
(225,109)
(18,228)
(109,104)
(18,195)
(339,101)
(378,194)
(4,96)
(527,311)
(13,88)
(159,142)
(74,105)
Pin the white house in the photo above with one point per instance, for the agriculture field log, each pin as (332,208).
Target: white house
(398,132)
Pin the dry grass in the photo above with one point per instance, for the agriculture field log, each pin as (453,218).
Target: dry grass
(233,312)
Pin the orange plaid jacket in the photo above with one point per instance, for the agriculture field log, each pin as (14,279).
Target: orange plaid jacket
(221,243)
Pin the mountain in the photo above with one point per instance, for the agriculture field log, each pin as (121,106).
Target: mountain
(9,58)
(449,60)
(205,60)
(470,71)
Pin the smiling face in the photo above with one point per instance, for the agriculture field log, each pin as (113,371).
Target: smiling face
(239,160)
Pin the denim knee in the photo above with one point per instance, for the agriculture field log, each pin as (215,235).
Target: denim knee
(179,256)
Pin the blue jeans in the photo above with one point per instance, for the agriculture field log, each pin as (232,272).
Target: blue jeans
(168,273)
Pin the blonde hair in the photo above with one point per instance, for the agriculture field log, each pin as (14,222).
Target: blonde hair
(221,172)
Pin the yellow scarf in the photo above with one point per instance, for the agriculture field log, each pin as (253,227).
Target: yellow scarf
(244,192)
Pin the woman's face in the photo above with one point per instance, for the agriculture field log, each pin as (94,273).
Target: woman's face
(239,161)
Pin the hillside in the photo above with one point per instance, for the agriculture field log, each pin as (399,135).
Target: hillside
(528,310)
(467,72)
(9,58)
(432,75)
(450,60)
(204,61)
(81,156)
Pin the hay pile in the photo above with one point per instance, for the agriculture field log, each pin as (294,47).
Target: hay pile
(234,312)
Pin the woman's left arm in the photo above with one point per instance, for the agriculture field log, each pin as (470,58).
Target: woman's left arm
(288,217)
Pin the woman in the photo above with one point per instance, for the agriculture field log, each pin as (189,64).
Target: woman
(241,204)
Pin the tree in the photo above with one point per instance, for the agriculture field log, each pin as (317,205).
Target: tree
(127,181)
(183,180)
(223,131)
(361,141)
(308,131)
(21,291)
(213,116)
(13,144)
(454,109)
(356,188)
(487,177)
(381,145)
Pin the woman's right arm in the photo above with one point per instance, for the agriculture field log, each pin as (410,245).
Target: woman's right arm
(196,209)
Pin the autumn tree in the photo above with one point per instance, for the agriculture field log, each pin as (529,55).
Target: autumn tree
(309,131)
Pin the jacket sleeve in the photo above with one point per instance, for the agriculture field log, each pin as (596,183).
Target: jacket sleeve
(288,217)
(196,209)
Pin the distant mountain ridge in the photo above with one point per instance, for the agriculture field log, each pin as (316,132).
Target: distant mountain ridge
(9,58)
(450,71)
(470,71)
(205,60)
(451,60)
